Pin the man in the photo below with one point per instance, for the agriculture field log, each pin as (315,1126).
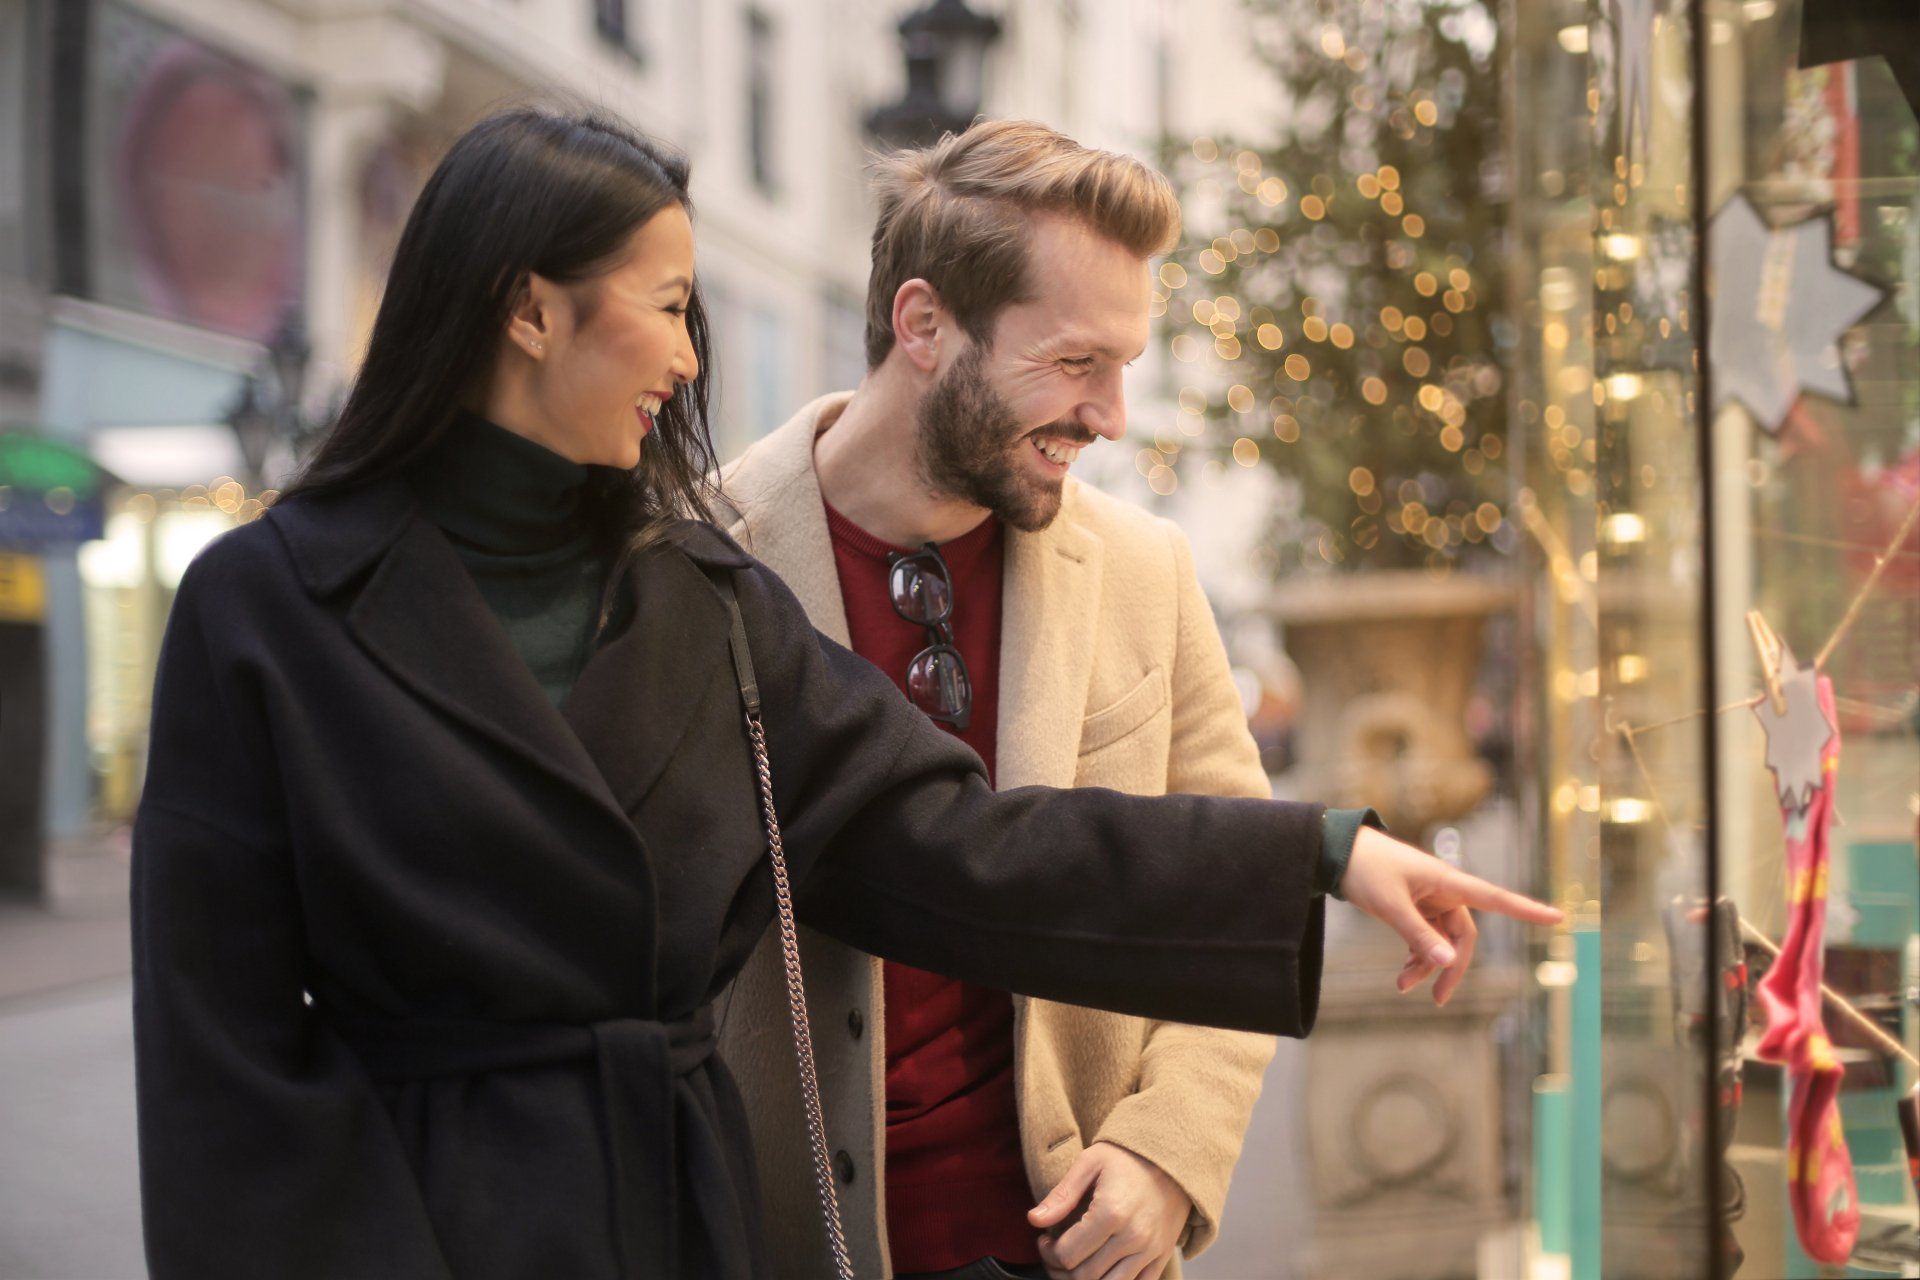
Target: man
(928,521)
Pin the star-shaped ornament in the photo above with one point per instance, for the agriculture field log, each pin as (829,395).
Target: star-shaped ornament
(1798,736)
(1780,307)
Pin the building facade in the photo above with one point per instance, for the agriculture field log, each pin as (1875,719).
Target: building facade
(199,198)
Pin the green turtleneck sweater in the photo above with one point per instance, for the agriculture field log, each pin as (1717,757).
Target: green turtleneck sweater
(513,511)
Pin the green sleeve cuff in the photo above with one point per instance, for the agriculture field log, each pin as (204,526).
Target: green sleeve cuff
(1338,830)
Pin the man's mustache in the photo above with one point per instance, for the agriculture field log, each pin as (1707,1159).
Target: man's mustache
(1069,434)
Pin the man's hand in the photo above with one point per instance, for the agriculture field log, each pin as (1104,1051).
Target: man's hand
(1426,902)
(1132,1224)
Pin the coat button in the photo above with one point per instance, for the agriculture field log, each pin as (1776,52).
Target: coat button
(855,1023)
(843,1166)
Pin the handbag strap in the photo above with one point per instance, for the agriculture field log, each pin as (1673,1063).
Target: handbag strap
(789,936)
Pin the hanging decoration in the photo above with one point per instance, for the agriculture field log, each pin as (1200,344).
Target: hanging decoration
(1798,725)
(1633,59)
(1780,308)
(1803,750)
(1825,1205)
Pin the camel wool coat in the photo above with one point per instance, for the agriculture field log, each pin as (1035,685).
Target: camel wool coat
(1112,674)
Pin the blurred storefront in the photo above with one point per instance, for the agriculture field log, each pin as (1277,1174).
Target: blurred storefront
(163,194)
(199,200)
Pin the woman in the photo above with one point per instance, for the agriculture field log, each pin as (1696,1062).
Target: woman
(451,838)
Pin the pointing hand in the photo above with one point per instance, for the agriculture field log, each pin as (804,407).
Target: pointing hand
(1430,904)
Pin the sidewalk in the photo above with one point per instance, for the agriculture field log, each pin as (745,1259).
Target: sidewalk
(51,948)
(69,1175)
(69,1190)
(77,931)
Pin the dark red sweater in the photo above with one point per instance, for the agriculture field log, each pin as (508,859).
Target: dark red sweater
(956,1183)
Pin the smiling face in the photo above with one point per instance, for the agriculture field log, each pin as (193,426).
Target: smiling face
(1004,421)
(606,353)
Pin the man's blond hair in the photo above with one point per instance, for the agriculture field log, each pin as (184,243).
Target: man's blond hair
(958,214)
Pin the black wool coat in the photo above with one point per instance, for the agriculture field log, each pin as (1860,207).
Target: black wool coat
(425,968)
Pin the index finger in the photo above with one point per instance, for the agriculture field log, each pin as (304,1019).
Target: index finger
(1482,896)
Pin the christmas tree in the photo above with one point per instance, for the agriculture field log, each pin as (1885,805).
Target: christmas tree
(1336,310)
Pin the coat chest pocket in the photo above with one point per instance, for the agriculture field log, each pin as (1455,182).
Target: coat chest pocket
(1133,711)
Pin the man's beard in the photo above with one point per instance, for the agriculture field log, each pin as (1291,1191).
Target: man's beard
(966,444)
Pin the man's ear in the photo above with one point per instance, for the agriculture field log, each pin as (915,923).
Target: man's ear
(530,322)
(919,324)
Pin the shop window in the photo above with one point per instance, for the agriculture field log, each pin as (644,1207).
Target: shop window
(129,577)
(614,22)
(1719,414)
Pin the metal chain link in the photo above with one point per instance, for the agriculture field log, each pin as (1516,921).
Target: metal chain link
(797,1007)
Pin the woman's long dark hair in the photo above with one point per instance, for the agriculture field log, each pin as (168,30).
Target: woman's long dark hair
(525,190)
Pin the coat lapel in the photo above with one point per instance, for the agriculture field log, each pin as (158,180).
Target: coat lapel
(1052,588)
(423,619)
(643,689)
(420,615)
(778,515)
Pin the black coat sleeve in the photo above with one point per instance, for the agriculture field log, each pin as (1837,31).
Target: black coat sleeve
(263,1148)
(1195,909)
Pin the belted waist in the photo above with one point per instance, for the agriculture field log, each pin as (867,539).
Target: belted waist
(639,1063)
(399,1049)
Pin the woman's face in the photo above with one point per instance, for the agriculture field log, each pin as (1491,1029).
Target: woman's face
(608,352)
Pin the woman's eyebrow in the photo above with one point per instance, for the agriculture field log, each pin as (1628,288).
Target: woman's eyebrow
(678,282)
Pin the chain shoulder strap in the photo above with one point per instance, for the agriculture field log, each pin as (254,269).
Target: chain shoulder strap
(789,936)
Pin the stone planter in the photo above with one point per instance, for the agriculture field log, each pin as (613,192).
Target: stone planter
(1403,1123)
(1387,662)
(1399,1103)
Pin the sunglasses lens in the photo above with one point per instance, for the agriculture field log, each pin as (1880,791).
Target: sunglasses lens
(921,594)
(937,683)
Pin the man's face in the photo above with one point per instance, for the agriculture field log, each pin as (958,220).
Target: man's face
(1001,426)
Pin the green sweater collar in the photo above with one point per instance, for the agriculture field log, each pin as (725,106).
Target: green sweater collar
(499,492)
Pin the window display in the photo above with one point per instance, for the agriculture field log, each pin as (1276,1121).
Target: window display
(1719,418)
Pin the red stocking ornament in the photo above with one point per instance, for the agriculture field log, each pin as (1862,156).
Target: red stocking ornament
(1803,749)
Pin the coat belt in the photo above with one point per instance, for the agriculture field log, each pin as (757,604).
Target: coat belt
(640,1062)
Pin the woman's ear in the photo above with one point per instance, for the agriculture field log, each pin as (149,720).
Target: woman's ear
(530,322)
(919,322)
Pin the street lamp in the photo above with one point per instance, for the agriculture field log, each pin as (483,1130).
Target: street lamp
(945,44)
(268,409)
(288,355)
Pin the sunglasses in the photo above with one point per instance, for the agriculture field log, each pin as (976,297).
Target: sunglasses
(921,589)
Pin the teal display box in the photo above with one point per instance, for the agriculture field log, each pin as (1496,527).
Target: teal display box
(1883,890)
(1553,1162)
(1584,1182)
